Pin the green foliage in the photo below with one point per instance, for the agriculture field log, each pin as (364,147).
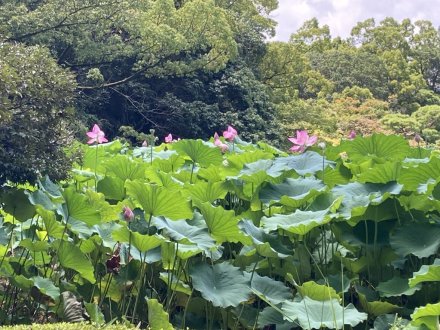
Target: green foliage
(35,114)
(255,236)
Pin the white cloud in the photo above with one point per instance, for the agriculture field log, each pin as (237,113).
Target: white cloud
(342,15)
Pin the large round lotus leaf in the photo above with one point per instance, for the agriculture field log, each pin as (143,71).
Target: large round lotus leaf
(414,176)
(299,222)
(270,316)
(181,231)
(317,291)
(158,201)
(125,168)
(377,146)
(292,192)
(381,173)
(222,284)
(426,273)
(16,203)
(70,256)
(267,245)
(313,314)
(199,152)
(308,162)
(274,291)
(419,239)
(222,224)
(396,287)
(358,196)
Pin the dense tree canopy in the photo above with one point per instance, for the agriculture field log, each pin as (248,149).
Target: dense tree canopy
(158,63)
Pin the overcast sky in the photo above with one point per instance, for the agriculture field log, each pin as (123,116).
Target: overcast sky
(342,15)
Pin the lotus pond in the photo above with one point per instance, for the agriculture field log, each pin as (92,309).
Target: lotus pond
(182,235)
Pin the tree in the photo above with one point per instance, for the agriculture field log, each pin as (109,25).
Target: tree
(35,100)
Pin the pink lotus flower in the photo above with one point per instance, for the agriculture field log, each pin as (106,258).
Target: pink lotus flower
(128,214)
(223,147)
(96,135)
(230,134)
(302,141)
(169,138)
(352,135)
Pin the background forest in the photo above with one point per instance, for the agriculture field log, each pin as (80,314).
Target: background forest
(136,65)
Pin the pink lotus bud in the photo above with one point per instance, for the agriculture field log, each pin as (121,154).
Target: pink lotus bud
(128,214)
(145,144)
(352,135)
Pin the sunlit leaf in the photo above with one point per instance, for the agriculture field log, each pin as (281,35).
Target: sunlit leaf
(313,314)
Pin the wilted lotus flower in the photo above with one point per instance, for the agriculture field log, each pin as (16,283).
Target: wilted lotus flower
(230,134)
(128,214)
(302,141)
(96,135)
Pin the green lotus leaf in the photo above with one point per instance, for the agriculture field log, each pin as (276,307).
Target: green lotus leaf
(124,168)
(272,316)
(298,222)
(267,245)
(426,273)
(415,176)
(112,188)
(339,175)
(239,162)
(427,315)
(222,284)
(274,291)
(419,239)
(308,162)
(70,256)
(292,192)
(369,300)
(95,156)
(170,164)
(181,231)
(313,314)
(105,231)
(158,201)
(175,283)
(222,224)
(261,165)
(157,317)
(78,207)
(358,196)
(96,316)
(207,191)
(388,321)
(46,287)
(396,287)
(381,173)
(50,188)
(340,283)
(199,152)
(317,291)
(377,146)
(53,227)
(34,246)
(141,242)
(16,203)
(39,197)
